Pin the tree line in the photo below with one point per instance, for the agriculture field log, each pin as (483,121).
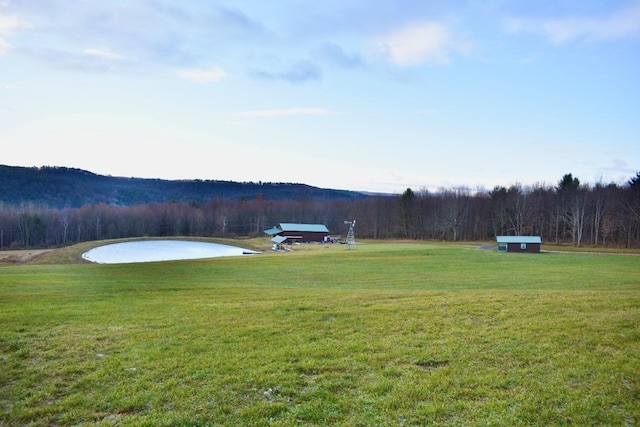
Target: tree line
(566,213)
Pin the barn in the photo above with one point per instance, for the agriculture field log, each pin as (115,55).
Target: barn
(528,244)
(299,233)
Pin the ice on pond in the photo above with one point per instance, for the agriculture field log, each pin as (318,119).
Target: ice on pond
(160,250)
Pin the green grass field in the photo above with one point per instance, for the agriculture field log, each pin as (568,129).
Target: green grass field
(386,334)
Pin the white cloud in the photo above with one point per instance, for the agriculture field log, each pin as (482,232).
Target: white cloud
(286,112)
(9,24)
(103,53)
(624,23)
(418,43)
(4,47)
(202,76)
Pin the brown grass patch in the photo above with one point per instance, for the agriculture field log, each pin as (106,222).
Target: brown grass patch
(21,256)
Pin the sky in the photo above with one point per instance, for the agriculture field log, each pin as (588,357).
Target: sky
(351,94)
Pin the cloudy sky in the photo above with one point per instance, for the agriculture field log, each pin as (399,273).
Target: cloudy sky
(349,94)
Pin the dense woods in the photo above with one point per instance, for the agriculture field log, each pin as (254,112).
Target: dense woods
(566,213)
(59,187)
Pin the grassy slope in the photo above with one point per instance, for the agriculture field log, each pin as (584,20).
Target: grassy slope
(386,334)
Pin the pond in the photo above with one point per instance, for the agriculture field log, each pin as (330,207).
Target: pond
(160,250)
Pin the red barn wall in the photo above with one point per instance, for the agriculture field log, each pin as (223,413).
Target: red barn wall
(531,247)
(303,236)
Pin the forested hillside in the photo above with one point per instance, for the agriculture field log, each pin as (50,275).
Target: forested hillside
(58,187)
(569,212)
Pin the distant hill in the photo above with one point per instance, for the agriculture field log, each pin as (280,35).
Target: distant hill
(60,187)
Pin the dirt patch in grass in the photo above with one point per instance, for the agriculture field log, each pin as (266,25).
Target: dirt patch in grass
(21,256)
(428,365)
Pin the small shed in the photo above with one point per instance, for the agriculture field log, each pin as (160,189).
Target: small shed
(528,244)
(299,232)
(277,242)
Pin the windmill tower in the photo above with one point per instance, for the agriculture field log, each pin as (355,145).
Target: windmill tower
(351,238)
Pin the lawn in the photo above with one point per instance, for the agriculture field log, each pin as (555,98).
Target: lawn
(384,334)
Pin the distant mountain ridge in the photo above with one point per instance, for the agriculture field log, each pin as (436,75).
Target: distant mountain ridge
(60,187)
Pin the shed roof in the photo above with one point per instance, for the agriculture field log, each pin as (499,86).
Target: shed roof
(272,231)
(316,228)
(278,239)
(518,239)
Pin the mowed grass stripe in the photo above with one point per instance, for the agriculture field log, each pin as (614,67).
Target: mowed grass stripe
(412,266)
(382,335)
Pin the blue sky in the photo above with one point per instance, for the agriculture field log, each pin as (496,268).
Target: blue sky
(358,95)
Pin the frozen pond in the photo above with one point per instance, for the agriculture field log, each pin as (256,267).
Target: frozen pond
(160,250)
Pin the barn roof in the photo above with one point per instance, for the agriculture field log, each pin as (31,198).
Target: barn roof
(518,239)
(272,231)
(316,228)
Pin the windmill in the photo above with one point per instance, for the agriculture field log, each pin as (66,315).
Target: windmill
(351,238)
